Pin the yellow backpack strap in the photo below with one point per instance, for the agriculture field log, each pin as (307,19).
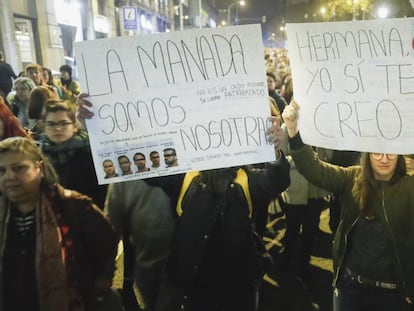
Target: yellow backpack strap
(243,181)
(188,178)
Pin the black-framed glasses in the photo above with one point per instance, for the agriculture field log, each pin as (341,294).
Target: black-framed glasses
(169,155)
(59,124)
(379,156)
(140,159)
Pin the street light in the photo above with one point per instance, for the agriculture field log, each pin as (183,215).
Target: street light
(382,12)
(241,3)
(323,11)
(353,9)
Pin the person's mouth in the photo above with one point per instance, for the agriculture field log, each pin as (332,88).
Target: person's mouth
(12,187)
(384,167)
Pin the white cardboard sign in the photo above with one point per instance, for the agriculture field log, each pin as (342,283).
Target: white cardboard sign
(354,82)
(201,92)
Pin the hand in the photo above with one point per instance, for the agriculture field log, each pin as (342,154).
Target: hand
(275,132)
(290,117)
(409,163)
(83,112)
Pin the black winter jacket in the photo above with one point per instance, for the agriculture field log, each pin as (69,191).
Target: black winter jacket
(214,241)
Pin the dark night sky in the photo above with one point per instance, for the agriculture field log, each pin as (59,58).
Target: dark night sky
(253,11)
(275,9)
(276,15)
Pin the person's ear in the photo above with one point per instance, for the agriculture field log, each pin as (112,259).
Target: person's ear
(41,166)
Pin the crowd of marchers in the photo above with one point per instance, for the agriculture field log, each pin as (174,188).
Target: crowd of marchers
(191,241)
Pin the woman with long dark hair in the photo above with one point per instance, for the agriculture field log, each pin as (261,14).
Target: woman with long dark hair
(372,251)
(49,83)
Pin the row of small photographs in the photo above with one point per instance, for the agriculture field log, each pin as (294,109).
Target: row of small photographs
(140,160)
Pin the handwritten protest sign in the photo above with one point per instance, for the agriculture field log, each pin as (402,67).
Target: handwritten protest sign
(354,82)
(198,99)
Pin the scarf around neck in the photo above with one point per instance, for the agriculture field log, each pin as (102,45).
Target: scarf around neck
(66,82)
(54,287)
(59,154)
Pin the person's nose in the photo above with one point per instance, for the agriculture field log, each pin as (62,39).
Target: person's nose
(384,159)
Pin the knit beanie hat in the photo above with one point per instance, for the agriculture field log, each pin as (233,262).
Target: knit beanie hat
(27,83)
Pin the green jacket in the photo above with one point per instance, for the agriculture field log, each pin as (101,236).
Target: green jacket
(396,212)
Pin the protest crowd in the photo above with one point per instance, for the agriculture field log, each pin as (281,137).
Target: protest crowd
(189,241)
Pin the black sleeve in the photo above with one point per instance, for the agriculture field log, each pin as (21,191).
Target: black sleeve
(171,185)
(296,142)
(270,181)
(10,69)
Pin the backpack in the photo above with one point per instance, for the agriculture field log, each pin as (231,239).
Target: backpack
(266,260)
(241,179)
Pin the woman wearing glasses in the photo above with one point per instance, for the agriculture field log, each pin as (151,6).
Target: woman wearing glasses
(66,145)
(373,249)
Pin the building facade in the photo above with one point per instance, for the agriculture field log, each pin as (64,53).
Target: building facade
(190,14)
(44,31)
